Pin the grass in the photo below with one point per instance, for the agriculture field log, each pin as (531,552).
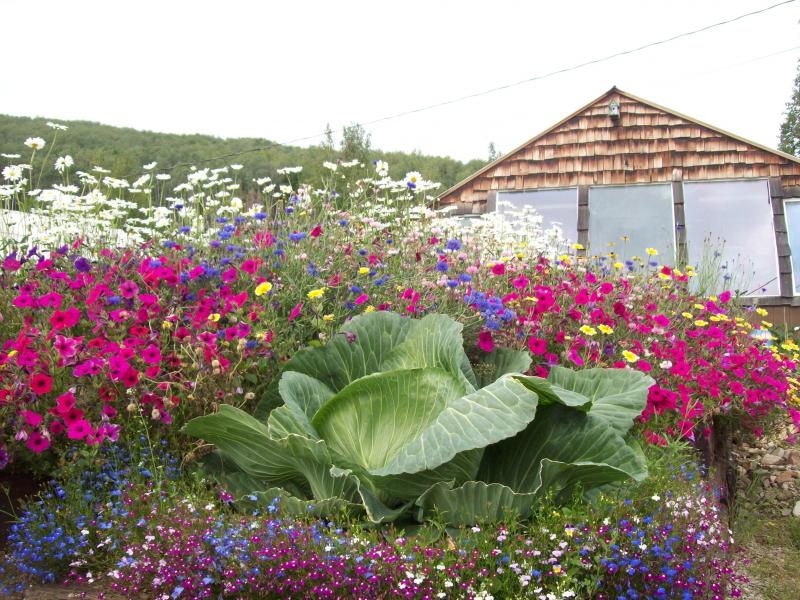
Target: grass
(773,547)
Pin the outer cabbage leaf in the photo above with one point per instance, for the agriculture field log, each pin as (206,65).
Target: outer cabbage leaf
(499,362)
(562,449)
(474,502)
(294,458)
(618,396)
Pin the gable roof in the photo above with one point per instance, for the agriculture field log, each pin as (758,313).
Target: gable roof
(491,169)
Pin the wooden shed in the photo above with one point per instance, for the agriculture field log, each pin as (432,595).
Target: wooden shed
(623,172)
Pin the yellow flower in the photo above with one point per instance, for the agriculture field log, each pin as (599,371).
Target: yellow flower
(166,325)
(618,265)
(699,307)
(766,324)
(213,317)
(12,354)
(651,251)
(327,317)
(630,356)
(578,246)
(586,330)
(363,271)
(557,569)
(677,272)
(263,288)
(314,294)
(701,323)
(606,329)
(663,276)
(369,309)
(762,312)
(687,315)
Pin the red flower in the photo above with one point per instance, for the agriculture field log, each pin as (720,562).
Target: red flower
(41,384)
(485,341)
(498,268)
(37,442)
(295,312)
(64,319)
(79,430)
(151,355)
(249,266)
(537,345)
(316,231)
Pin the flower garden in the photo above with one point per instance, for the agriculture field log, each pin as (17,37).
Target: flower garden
(276,389)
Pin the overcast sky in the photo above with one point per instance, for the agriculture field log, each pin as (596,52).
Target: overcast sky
(282,70)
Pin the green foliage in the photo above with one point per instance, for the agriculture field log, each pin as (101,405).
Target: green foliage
(790,128)
(390,414)
(124,151)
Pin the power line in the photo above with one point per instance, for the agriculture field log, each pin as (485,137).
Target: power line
(563,70)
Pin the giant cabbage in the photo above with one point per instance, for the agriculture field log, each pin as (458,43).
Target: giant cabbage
(389,418)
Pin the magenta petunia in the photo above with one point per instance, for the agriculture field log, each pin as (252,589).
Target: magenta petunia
(41,384)
(295,311)
(37,442)
(151,354)
(485,341)
(79,429)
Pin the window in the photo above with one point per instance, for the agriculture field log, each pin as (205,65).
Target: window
(556,206)
(791,207)
(626,220)
(731,237)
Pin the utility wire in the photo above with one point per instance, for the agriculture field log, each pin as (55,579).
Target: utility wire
(498,88)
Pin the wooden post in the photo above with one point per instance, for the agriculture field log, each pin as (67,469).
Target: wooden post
(583,218)
(681,245)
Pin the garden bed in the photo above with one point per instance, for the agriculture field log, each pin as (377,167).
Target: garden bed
(335,391)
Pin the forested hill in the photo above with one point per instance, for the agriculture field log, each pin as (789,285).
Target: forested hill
(124,151)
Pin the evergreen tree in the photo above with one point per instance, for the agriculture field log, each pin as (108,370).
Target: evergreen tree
(790,128)
(356,143)
(327,141)
(494,153)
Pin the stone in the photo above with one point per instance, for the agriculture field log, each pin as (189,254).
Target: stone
(771,459)
(793,458)
(785,512)
(796,510)
(785,477)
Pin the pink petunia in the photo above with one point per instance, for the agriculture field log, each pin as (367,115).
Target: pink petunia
(128,289)
(361,299)
(151,355)
(485,341)
(295,312)
(33,419)
(37,442)
(79,430)
(537,345)
(41,384)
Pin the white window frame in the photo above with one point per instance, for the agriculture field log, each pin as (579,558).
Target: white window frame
(500,193)
(789,238)
(771,221)
(631,185)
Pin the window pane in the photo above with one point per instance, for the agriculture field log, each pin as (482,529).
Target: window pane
(731,237)
(792,209)
(628,219)
(557,207)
